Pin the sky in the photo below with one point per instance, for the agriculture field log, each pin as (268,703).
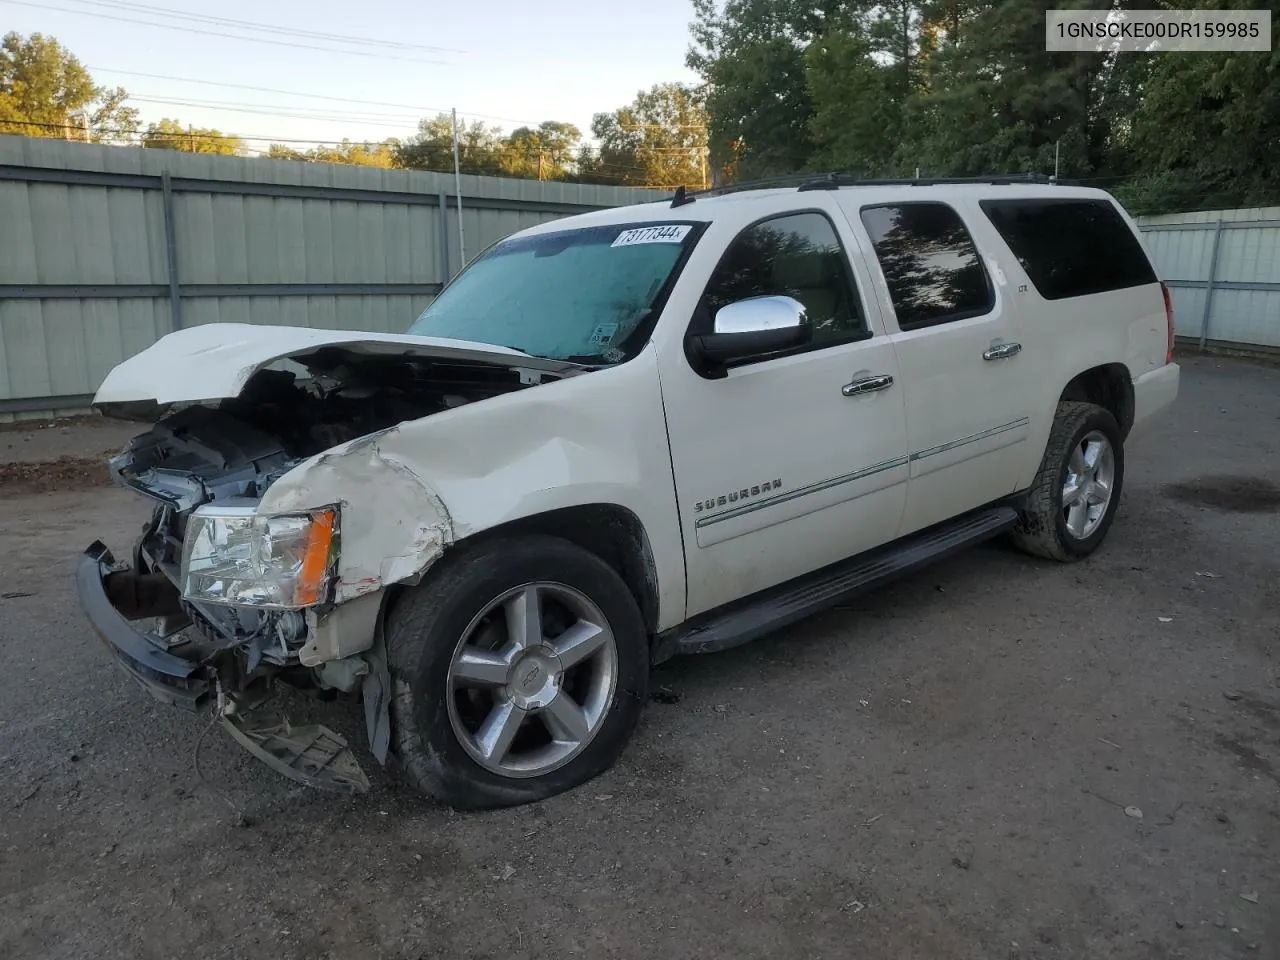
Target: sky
(505,62)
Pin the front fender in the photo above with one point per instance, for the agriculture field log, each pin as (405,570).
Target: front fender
(393,524)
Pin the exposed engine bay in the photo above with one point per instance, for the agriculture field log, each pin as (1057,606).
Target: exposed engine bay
(290,411)
(233,450)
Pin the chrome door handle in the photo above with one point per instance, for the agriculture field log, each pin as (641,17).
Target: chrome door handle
(1002,351)
(867,385)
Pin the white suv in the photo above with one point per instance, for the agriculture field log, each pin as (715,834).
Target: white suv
(660,429)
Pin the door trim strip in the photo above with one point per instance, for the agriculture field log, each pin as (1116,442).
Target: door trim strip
(801,492)
(952,444)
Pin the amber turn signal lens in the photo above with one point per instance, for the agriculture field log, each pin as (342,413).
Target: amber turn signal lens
(315,562)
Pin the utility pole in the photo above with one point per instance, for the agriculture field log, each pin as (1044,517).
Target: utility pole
(540,156)
(1056,145)
(191,138)
(457,186)
(84,118)
(702,156)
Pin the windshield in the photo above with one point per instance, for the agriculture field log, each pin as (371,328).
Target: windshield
(572,295)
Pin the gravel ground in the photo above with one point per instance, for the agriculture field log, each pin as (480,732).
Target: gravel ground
(952,767)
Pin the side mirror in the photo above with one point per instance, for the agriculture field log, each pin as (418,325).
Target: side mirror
(754,327)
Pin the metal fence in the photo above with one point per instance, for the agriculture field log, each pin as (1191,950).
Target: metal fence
(103,250)
(1223,270)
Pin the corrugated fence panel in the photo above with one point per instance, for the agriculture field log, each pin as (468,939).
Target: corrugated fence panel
(84,249)
(1223,269)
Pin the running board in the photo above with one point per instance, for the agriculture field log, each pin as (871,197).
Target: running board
(790,602)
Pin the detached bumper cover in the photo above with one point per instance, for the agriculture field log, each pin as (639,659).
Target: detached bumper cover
(143,656)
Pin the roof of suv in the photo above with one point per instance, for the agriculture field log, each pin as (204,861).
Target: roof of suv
(733,200)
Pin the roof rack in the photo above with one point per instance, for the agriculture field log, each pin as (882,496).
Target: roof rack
(804,182)
(833,181)
(683,196)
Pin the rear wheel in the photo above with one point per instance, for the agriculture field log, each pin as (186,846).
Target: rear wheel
(1073,500)
(520,668)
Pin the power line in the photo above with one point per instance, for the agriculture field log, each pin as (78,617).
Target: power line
(314,96)
(254,27)
(230,36)
(149,10)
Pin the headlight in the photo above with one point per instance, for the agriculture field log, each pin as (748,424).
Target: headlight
(231,555)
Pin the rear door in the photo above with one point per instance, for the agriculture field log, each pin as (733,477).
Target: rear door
(965,373)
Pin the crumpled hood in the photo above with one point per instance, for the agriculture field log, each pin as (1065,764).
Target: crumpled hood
(215,361)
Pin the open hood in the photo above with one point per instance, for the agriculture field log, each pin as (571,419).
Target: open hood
(215,361)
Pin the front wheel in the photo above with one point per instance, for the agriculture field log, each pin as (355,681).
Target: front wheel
(520,670)
(1073,500)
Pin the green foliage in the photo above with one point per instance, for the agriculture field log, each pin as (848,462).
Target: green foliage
(544,152)
(959,87)
(432,147)
(356,154)
(47,92)
(171,135)
(659,139)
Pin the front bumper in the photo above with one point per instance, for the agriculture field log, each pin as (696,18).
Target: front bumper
(143,656)
(114,598)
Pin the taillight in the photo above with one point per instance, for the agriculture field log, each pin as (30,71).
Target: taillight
(1168,314)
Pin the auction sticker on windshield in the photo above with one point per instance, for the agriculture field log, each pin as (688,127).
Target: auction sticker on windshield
(666,233)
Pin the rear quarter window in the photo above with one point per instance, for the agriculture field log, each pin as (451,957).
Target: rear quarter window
(1071,248)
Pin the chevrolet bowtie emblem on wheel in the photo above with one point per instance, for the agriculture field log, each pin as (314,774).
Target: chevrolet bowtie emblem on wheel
(746,493)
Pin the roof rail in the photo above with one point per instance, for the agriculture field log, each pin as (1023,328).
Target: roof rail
(804,182)
(786,180)
(834,181)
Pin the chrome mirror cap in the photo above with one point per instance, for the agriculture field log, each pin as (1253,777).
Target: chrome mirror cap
(760,314)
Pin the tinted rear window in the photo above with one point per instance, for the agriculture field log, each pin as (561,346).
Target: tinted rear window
(929,262)
(1071,248)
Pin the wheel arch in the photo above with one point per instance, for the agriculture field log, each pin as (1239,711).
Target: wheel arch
(1108,385)
(608,530)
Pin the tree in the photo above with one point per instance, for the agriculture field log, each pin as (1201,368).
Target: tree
(1207,133)
(858,105)
(171,135)
(355,154)
(751,56)
(660,139)
(47,92)
(479,147)
(544,152)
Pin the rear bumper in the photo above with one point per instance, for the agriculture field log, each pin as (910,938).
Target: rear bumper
(1154,392)
(142,656)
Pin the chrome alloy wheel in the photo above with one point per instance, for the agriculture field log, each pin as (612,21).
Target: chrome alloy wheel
(1086,494)
(532,679)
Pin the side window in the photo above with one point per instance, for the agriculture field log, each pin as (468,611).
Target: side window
(799,256)
(1071,248)
(933,269)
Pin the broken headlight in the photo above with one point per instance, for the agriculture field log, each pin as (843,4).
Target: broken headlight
(231,555)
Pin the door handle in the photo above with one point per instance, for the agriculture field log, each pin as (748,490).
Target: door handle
(1002,351)
(867,385)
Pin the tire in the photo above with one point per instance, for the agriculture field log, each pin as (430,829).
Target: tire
(1045,525)
(444,719)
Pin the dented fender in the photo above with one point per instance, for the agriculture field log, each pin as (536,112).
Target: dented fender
(393,524)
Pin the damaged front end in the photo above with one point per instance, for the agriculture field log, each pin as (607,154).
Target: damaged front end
(225,596)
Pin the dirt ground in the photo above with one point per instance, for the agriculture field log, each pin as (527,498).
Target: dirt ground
(1000,758)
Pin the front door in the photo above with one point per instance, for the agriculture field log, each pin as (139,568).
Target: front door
(780,466)
(958,342)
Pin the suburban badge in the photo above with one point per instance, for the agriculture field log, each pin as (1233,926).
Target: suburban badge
(746,493)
